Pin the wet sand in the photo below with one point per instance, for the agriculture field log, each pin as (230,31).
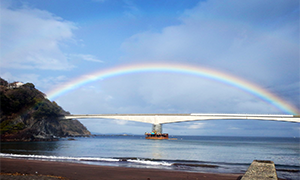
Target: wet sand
(34,169)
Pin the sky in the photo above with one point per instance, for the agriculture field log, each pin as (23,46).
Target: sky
(77,52)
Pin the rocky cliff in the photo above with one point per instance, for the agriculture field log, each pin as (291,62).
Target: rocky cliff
(27,115)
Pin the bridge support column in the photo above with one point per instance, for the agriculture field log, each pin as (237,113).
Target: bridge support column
(157,128)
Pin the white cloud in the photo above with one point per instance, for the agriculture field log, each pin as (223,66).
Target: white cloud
(231,35)
(30,77)
(40,82)
(161,93)
(9,77)
(132,10)
(85,57)
(233,128)
(197,125)
(254,40)
(120,122)
(32,39)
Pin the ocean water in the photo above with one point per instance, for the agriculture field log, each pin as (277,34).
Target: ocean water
(185,153)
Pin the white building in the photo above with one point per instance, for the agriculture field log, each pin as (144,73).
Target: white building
(15,85)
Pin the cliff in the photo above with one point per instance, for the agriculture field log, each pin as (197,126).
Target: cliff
(26,115)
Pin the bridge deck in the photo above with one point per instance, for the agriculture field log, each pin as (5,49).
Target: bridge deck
(175,118)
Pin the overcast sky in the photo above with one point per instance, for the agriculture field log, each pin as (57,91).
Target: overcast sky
(51,43)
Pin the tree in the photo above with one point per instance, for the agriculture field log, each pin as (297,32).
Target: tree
(45,109)
(29,85)
(3,82)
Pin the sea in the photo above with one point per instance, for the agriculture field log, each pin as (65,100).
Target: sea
(209,154)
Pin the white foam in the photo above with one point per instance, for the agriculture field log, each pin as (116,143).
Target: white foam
(53,158)
(153,163)
(98,159)
(58,157)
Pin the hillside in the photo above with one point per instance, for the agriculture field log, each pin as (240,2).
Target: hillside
(27,115)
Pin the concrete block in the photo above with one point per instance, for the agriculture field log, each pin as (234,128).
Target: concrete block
(261,170)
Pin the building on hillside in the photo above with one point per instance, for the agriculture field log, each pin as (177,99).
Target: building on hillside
(15,85)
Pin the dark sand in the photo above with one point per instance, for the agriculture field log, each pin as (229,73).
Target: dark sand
(24,169)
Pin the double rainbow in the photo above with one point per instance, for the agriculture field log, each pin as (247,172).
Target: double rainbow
(218,76)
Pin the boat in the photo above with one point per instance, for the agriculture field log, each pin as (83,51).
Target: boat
(158,136)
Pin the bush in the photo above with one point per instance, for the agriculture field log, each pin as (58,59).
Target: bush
(45,109)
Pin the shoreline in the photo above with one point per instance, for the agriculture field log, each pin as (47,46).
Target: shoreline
(14,168)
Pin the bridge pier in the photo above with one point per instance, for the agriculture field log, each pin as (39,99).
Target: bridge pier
(157,128)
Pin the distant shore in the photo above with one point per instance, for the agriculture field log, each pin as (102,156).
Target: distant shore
(28,169)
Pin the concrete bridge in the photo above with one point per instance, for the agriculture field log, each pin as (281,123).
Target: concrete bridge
(158,119)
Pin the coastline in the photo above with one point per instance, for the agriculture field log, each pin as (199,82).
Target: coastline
(14,168)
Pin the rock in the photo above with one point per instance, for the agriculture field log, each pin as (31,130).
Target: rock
(261,170)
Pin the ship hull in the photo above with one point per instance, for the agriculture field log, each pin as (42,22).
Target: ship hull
(157,136)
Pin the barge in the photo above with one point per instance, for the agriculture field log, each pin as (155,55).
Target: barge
(158,136)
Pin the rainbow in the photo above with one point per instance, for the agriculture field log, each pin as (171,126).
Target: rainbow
(222,77)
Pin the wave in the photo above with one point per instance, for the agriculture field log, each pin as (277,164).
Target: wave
(95,159)
(124,159)
(132,160)
(186,165)
(196,165)
(147,162)
(43,157)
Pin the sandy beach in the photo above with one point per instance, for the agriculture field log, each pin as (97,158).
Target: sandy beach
(35,169)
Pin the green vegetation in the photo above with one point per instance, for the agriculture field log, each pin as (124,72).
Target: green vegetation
(6,127)
(44,109)
(27,115)
(22,107)
(26,98)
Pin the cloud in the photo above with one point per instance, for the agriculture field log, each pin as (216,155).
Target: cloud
(233,128)
(40,82)
(161,93)
(33,38)
(254,40)
(248,35)
(120,122)
(85,57)
(132,10)
(197,125)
